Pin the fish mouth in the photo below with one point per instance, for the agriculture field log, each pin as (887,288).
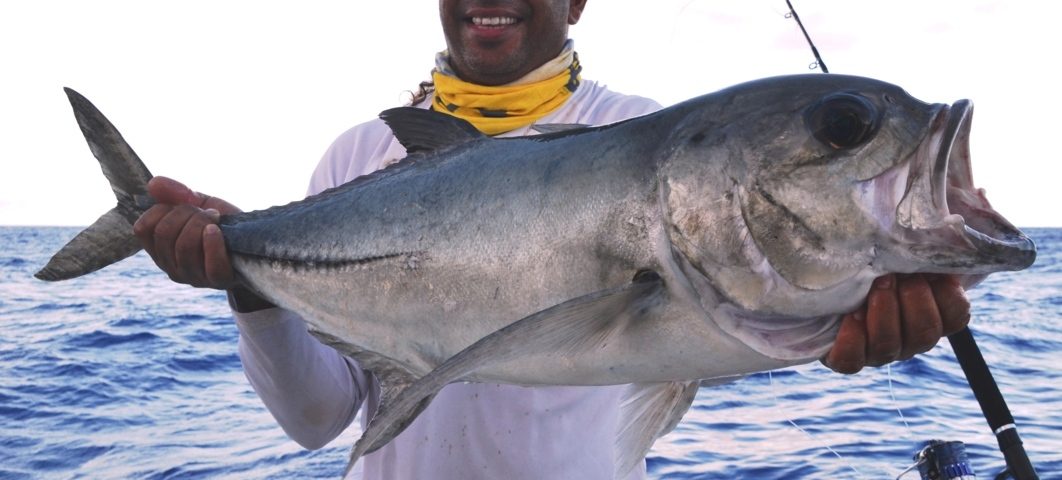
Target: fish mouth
(943,210)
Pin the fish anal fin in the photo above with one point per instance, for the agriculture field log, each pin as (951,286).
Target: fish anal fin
(392,376)
(648,412)
(394,379)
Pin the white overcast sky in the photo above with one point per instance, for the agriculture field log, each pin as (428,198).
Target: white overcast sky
(240,98)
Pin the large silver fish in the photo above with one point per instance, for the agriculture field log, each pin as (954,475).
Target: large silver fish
(722,236)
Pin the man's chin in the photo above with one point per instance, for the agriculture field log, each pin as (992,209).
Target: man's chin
(492,68)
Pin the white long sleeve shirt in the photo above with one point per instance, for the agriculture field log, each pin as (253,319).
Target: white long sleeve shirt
(469,431)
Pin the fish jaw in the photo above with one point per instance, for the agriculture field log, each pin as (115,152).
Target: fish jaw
(941,222)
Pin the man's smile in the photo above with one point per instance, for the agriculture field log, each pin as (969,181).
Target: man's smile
(493,21)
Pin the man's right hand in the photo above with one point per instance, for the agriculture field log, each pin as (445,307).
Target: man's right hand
(181,234)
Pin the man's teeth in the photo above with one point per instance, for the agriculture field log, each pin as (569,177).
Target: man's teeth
(493,21)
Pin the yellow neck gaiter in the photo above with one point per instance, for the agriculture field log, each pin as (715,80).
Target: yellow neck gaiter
(499,109)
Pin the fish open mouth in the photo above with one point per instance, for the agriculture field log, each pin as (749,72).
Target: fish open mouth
(942,207)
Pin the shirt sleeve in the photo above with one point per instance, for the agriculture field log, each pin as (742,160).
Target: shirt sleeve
(312,390)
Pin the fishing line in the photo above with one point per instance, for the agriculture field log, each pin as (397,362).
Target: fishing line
(774,394)
(892,394)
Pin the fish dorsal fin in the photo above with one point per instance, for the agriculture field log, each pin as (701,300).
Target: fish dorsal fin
(558,127)
(423,130)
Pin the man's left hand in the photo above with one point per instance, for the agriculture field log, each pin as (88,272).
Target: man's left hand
(904,315)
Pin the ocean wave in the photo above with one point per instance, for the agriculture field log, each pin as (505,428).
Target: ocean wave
(13,262)
(65,458)
(101,339)
(205,363)
(49,306)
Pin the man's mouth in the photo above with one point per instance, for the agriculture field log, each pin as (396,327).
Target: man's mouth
(493,21)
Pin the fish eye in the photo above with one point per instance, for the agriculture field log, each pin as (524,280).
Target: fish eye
(843,120)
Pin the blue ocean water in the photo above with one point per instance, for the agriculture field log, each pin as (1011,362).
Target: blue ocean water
(123,374)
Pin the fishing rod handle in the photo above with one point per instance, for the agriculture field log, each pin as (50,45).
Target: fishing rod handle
(992,404)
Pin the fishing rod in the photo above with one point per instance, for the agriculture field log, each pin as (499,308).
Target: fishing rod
(947,460)
(992,404)
(814,51)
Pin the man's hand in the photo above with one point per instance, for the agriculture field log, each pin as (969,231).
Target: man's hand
(904,315)
(180,233)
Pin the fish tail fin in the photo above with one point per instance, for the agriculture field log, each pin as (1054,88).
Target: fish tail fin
(110,238)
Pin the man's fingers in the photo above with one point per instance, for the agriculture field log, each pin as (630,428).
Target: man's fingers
(905,315)
(848,354)
(188,250)
(884,335)
(216,258)
(144,228)
(952,303)
(223,207)
(921,320)
(170,191)
(167,231)
(181,235)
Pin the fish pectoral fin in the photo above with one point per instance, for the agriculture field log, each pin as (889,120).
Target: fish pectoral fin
(649,411)
(579,324)
(583,322)
(422,130)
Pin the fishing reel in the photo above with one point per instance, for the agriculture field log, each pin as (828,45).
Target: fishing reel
(942,460)
(946,460)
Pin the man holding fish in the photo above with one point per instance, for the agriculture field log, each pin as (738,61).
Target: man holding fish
(508,65)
